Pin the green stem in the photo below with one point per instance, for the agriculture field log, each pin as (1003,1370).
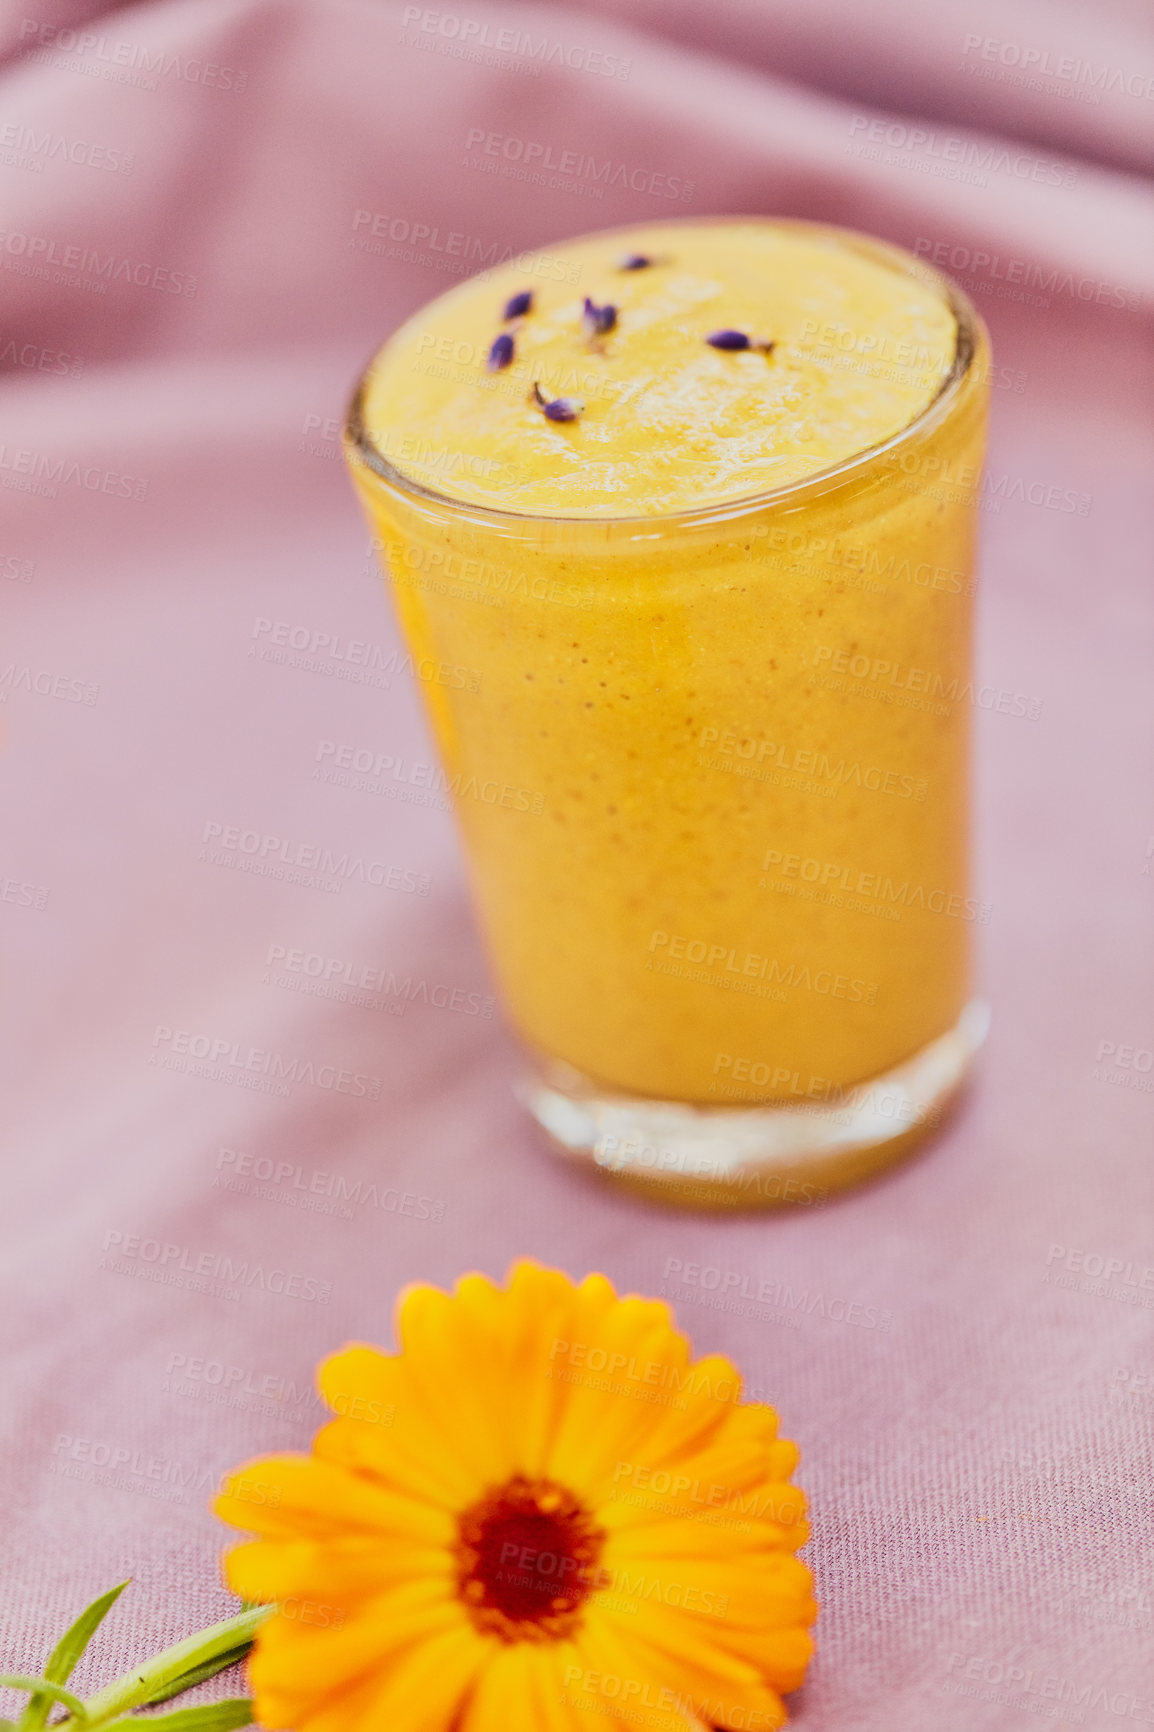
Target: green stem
(144,1683)
(54,1693)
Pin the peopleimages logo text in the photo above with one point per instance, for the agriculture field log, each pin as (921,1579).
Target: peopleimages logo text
(49,145)
(539,156)
(42,467)
(213,1266)
(42,250)
(129,56)
(1024,273)
(228,1055)
(270,855)
(1023,165)
(1042,62)
(824,981)
(509,39)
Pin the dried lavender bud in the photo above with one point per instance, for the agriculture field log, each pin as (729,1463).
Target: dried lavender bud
(739,340)
(501,353)
(557,408)
(634,262)
(519,304)
(598,321)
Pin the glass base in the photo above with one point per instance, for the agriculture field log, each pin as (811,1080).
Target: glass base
(754,1157)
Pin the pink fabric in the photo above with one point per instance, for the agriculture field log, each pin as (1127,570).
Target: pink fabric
(976,1432)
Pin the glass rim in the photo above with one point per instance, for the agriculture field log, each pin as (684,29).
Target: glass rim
(361,447)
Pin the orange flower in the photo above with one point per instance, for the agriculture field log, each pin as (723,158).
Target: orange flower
(539,1513)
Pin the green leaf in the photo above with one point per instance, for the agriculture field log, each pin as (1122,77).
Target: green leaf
(197,1674)
(210,1717)
(42,1687)
(74,1641)
(65,1655)
(151,1680)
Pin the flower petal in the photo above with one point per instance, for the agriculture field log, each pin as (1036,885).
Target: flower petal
(726,1691)
(749,1427)
(502,1691)
(331,1571)
(386,1427)
(295,1668)
(453,1361)
(747,1524)
(611,1412)
(290,1496)
(617,1679)
(423,1691)
(567,1697)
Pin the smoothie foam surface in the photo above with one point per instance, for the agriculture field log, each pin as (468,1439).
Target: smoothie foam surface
(846,350)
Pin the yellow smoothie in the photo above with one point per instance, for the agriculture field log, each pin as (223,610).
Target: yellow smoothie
(692,504)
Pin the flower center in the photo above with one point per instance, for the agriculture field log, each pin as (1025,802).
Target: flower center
(527,1560)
